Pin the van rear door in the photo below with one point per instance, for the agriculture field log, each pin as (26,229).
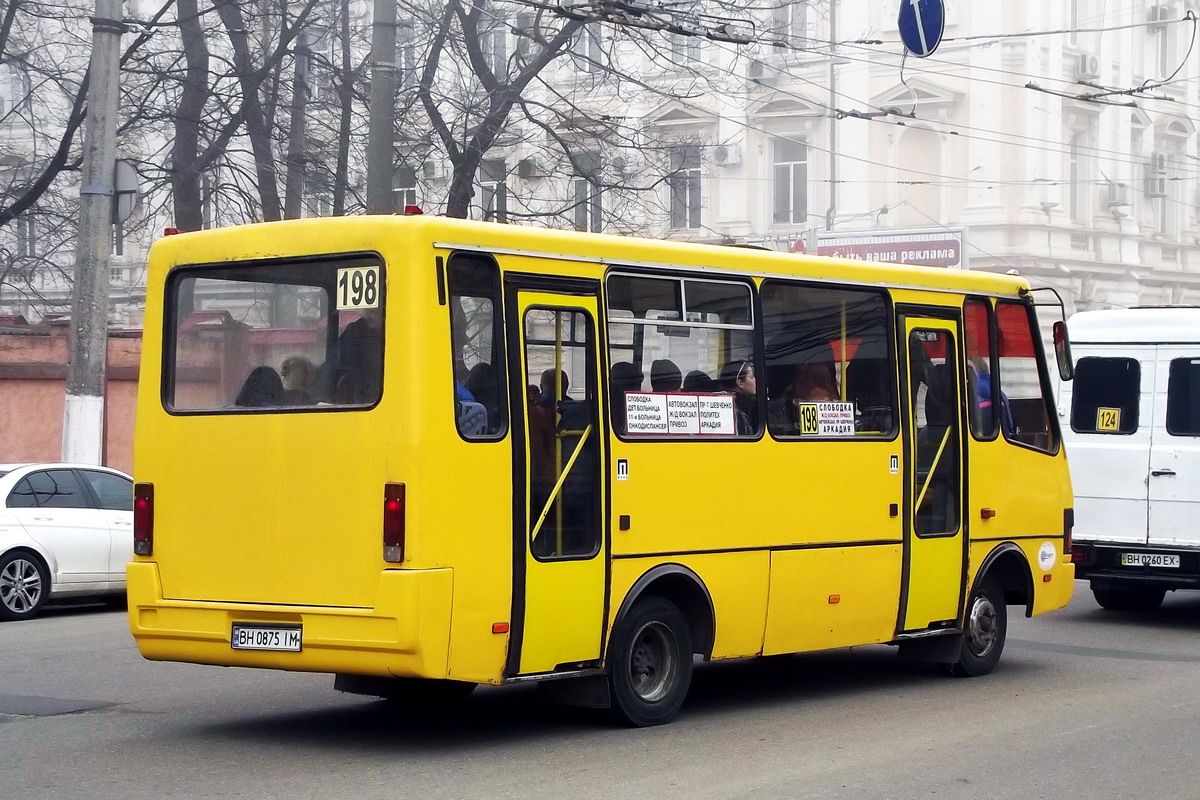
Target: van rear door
(1108,446)
(1174,479)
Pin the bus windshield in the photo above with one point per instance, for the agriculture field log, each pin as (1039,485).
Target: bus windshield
(281,335)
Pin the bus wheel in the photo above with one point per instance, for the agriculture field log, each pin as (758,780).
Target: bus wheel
(1128,598)
(983,631)
(650,663)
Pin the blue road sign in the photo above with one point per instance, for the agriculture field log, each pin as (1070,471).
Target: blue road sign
(921,25)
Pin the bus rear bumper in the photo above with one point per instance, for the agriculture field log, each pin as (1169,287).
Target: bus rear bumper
(406,634)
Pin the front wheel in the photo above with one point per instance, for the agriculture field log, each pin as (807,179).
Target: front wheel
(1128,598)
(650,663)
(984,631)
(24,586)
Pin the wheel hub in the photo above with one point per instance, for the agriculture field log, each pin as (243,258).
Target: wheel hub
(982,630)
(20,586)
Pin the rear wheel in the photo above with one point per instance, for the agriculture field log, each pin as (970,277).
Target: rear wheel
(650,663)
(24,585)
(1128,598)
(984,631)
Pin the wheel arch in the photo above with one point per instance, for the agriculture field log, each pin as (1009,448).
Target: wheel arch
(685,589)
(1008,563)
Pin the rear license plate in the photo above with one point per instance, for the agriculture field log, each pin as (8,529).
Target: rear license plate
(266,637)
(1149,560)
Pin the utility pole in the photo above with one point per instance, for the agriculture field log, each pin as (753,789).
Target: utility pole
(383,109)
(83,416)
(293,193)
(831,212)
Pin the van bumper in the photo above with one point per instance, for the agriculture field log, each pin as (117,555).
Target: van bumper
(1101,564)
(406,633)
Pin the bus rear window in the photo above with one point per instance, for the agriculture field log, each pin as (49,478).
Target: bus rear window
(281,335)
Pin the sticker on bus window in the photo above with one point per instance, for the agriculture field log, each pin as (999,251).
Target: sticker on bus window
(1108,419)
(358,287)
(826,419)
(646,413)
(661,413)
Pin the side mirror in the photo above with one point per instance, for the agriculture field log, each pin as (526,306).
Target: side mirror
(1062,351)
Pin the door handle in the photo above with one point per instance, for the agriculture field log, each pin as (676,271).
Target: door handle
(1159,472)
(44,519)
(123,523)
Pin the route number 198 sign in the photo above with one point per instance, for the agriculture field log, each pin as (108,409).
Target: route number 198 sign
(358,287)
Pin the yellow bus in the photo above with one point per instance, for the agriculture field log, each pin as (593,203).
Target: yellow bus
(424,454)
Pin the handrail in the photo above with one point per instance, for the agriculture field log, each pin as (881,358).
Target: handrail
(561,479)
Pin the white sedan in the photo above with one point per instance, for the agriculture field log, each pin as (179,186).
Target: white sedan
(65,530)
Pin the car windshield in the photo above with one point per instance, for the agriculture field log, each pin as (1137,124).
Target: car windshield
(275,336)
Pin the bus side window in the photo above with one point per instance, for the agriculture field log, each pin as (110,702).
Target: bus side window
(681,356)
(827,349)
(475,344)
(1022,378)
(981,374)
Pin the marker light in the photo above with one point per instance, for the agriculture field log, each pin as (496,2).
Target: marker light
(393,522)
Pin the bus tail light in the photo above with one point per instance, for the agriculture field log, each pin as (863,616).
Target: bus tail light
(143,518)
(393,522)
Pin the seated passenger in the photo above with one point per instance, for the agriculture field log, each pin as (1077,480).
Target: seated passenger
(360,359)
(737,378)
(699,382)
(625,377)
(483,387)
(812,379)
(262,388)
(665,376)
(298,374)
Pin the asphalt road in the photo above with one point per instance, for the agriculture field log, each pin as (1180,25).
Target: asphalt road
(1086,704)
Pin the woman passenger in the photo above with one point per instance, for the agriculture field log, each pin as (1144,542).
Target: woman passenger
(737,378)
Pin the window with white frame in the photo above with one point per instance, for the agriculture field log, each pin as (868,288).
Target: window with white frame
(407,70)
(585,46)
(493,191)
(790,180)
(26,236)
(1165,37)
(404,187)
(493,43)
(792,22)
(1166,204)
(586,194)
(1079,177)
(683,183)
(685,48)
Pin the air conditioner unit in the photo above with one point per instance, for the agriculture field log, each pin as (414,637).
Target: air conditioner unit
(1087,68)
(528,168)
(727,155)
(1160,12)
(1117,194)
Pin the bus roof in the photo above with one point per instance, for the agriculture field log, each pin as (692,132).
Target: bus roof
(341,234)
(1136,325)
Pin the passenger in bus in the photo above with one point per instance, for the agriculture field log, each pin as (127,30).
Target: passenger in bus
(481,383)
(625,377)
(262,388)
(737,378)
(812,379)
(980,380)
(298,374)
(546,398)
(699,382)
(360,359)
(665,376)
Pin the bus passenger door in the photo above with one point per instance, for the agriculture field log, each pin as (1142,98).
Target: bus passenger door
(935,551)
(560,550)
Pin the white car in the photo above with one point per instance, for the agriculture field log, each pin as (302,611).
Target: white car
(65,530)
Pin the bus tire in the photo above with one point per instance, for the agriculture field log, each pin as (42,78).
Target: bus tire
(24,585)
(650,663)
(984,630)
(1128,598)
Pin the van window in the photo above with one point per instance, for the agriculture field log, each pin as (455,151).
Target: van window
(1024,410)
(981,376)
(1183,397)
(829,369)
(479,408)
(681,357)
(1105,395)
